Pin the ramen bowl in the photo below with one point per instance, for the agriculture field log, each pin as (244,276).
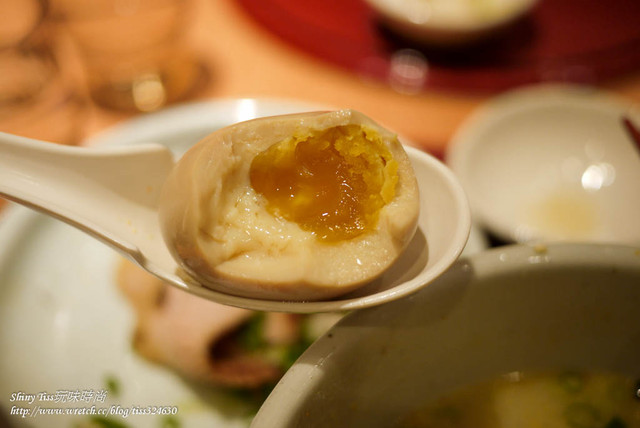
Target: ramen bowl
(513,309)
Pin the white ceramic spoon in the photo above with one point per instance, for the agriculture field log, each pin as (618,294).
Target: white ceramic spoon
(111,193)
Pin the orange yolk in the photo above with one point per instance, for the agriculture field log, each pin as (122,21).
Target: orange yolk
(332,183)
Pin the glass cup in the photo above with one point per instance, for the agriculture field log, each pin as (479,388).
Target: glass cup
(133,51)
(19,19)
(35,100)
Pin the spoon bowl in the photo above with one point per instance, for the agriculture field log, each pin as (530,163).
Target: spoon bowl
(112,194)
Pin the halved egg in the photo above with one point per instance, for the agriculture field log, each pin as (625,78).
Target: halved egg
(297,207)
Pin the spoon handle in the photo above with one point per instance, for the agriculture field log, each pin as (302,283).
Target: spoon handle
(108,192)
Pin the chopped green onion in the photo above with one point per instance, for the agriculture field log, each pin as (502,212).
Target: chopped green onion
(571,382)
(112,385)
(449,414)
(102,422)
(293,352)
(251,336)
(616,423)
(170,422)
(582,415)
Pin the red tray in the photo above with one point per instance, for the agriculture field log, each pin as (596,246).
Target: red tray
(580,41)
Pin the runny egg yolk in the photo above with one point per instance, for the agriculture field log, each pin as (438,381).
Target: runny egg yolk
(332,183)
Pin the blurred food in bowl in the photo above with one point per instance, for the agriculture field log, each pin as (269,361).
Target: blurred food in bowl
(210,343)
(568,399)
(450,23)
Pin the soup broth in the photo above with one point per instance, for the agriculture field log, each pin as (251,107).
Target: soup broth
(536,400)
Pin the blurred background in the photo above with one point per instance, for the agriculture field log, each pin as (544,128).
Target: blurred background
(69,68)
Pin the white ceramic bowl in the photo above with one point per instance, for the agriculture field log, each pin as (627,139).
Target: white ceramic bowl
(565,306)
(551,162)
(450,22)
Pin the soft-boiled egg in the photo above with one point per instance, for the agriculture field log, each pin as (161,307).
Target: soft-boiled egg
(296,207)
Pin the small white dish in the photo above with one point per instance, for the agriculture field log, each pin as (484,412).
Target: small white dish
(551,162)
(518,308)
(450,22)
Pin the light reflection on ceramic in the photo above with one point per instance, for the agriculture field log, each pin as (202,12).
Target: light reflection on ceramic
(551,162)
(597,176)
(408,71)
